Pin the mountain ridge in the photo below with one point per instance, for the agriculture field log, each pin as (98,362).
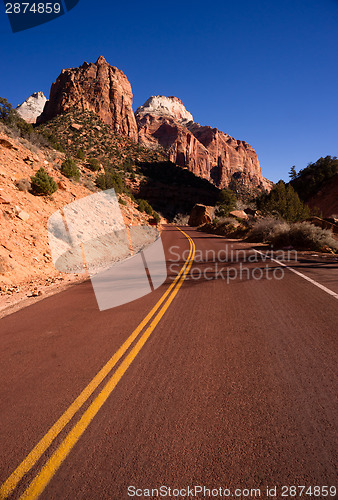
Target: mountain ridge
(162,124)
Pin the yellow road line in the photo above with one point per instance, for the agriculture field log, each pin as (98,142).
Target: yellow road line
(13,480)
(42,479)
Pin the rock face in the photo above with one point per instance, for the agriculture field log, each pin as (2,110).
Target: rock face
(165,106)
(100,88)
(164,124)
(200,214)
(32,107)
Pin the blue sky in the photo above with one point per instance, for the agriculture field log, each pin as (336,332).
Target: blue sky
(264,71)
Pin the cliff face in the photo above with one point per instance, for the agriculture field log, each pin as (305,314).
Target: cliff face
(162,124)
(165,124)
(100,88)
(32,107)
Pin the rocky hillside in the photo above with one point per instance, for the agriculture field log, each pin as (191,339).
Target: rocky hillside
(100,88)
(165,125)
(32,107)
(146,172)
(26,268)
(84,131)
(326,199)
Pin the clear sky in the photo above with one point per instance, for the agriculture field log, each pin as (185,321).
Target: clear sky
(264,71)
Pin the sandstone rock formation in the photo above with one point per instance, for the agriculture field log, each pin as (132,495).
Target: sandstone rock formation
(165,106)
(32,107)
(100,88)
(164,124)
(200,214)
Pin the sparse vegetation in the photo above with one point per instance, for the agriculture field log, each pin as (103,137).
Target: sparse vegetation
(80,154)
(156,217)
(283,202)
(97,141)
(181,219)
(304,235)
(10,117)
(301,235)
(227,203)
(144,206)
(309,180)
(69,169)
(94,164)
(264,230)
(111,180)
(42,183)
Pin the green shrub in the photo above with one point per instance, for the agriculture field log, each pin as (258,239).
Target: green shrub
(305,236)
(122,201)
(265,229)
(70,170)
(7,113)
(157,217)
(226,203)
(110,180)
(301,235)
(42,183)
(80,154)
(94,164)
(144,206)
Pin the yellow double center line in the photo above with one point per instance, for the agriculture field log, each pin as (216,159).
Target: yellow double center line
(48,470)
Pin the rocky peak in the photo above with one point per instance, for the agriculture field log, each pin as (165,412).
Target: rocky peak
(165,125)
(170,107)
(32,107)
(100,88)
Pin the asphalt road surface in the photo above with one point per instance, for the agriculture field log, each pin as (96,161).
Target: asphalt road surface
(225,377)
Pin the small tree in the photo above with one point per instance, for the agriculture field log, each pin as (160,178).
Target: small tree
(94,164)
(80,154)
(42,183)
(157,217)
(226,203)
(69,169)
(110,180)
(7,114)
(284,202)
(144,206)
(293,173)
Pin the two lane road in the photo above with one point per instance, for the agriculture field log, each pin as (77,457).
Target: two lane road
(223,377)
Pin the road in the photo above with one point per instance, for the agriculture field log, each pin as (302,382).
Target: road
(230,383)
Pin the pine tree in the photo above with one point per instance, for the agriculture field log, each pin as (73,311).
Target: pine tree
(42,183)
(293,173)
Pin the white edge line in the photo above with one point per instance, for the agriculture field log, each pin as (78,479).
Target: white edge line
(322,287)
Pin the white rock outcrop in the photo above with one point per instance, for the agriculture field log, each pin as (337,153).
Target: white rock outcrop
(160,105)
(32,107)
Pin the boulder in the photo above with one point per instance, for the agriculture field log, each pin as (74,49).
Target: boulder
(240,214)
(200,214)
(23,215)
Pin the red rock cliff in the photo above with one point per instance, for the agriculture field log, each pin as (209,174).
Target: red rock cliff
(98,87)
(165,124)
